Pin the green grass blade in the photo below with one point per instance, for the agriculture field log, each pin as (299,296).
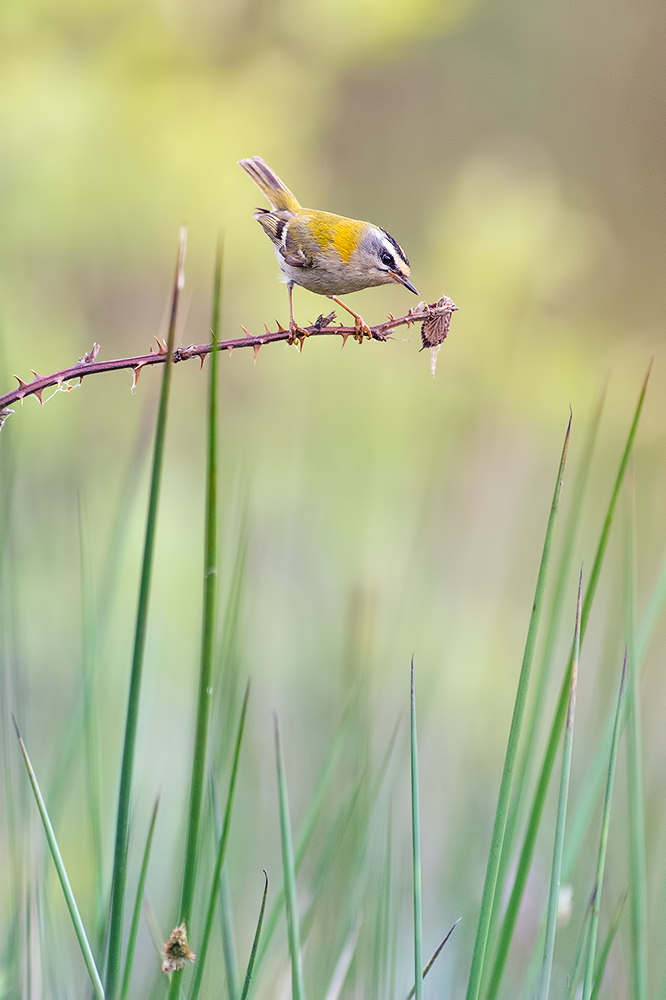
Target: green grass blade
(592,782)
(138,903)
(289,876)
(607,945)
(416,850)
(221,852)
(352,859)
(119,876)
(525,860)
(228,654)
(205,693)
(255,942)
(652,614)
(492,870)
(637,862)
(556,871)
(226,914)
(226,924)
(344,961)
(588,981)
(577,967)
(316,802)
(90,732)
(434,957)
(74,914)
(382,921)
(526,756)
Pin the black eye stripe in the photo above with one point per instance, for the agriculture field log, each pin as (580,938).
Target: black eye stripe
(400,253)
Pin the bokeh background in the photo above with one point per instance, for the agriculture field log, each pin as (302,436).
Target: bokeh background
(518,153)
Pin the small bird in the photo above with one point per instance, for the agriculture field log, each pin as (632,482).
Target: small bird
(325,253)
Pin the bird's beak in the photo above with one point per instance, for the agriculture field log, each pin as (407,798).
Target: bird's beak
(401,279)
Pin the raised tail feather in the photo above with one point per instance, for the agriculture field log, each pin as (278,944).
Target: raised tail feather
(279,196)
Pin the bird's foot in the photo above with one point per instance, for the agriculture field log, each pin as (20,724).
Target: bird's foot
(296,333)
(361,330)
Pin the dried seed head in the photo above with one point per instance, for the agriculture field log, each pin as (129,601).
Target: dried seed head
(435,326)
(176,951)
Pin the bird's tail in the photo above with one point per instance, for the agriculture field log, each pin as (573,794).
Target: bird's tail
(279,196)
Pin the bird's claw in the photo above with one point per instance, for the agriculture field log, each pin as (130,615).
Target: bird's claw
(296,333)
(361,330)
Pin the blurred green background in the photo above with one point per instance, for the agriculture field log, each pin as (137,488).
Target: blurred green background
(517,152)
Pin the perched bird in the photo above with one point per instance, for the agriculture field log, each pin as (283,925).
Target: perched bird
(325,253)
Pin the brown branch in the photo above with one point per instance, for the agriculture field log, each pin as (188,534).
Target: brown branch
(435,316)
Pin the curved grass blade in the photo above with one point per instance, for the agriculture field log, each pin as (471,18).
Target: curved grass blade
(556,872)
(221,852)
(255,943)
(588,981)
(289,876)
(138,903)
(416,850)
(74,914)
(543,780)
(492,870)
(119,876)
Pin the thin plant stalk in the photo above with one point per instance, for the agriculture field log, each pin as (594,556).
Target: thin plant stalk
(382,920)
(119,876)
(543,780)
(651,617)
(91,730)
(316,802)
(289,876)
(255,943)
(226,915)
(492,869)
(344,961)
(556,871)
(607,945)
(526,756)
(138,904)
(592,782)
(434,957)
(221,852)
(637,862)
(205,695)
(581,951)
(228,936)
(416,850)
(74,914)
(588,981)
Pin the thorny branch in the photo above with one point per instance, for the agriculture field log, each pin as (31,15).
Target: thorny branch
(434,319)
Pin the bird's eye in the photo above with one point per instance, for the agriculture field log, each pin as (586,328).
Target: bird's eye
(388,260)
